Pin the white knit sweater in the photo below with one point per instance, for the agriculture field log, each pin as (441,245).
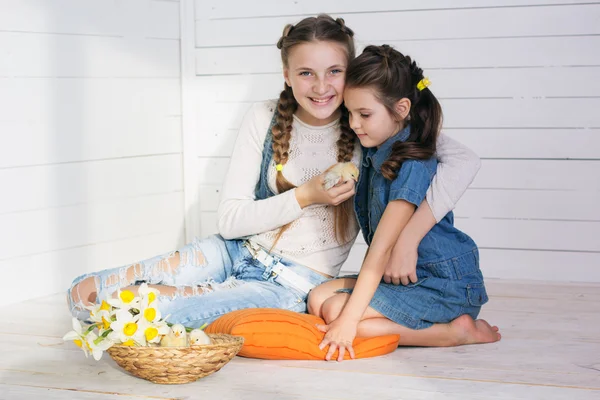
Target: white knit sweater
(310,240)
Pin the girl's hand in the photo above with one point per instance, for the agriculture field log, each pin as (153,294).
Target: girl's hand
(312,192)
(338,335)
(402,265)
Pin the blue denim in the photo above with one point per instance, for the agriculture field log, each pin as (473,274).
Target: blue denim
(444,291)
(262,190)
(223,277)
(450,282)
(374,192)
(228,279)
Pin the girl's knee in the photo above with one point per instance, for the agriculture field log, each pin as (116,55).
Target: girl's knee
(333,306)
(323,293)
(84,291)
(315,301)
(317,297)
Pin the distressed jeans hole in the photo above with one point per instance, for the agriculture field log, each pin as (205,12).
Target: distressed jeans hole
(85,292)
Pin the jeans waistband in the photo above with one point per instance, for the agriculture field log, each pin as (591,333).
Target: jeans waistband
(274,268)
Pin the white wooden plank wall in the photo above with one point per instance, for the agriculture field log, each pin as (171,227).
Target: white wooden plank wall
(90,142)
(519,84)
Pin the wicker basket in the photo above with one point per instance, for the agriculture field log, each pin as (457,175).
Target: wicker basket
(175,365)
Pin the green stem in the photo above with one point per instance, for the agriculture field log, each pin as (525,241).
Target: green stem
(91,328)
(102,337)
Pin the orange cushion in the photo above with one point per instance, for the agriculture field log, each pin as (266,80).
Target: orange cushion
(275,334)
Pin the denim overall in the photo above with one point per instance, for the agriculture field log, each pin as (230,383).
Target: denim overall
(450,282)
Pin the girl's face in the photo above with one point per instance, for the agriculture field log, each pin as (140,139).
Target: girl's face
(316,73)
(369,118)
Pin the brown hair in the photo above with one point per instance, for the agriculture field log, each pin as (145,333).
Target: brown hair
(310,30)
(393,76)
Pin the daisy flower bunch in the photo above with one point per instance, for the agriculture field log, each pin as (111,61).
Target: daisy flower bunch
(127,320)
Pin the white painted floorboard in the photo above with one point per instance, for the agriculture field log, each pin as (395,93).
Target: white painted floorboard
(550,350)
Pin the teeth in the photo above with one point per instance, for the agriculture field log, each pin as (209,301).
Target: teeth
(321,100)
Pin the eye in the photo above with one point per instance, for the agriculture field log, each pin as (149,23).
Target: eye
(305,73)
(365,116)
(336,71)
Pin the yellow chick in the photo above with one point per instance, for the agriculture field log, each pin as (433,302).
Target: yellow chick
(339,173)
(177,337)
(198,337)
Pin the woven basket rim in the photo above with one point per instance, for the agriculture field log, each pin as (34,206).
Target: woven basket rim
(233,341)
(163,365)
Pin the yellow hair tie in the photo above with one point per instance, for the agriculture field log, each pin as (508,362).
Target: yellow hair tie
(423,83)
(279,167)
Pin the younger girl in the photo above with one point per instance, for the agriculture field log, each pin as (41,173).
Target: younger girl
(398,119)
(281,233)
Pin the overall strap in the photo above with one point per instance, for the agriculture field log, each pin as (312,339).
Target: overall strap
(262,190)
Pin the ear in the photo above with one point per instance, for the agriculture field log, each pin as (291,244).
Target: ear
(286,76)
(402,107)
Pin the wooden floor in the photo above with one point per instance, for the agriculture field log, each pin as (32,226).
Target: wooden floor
(550,350)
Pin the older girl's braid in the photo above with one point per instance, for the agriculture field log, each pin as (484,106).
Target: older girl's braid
(344,212)
(346,142)
(282,134)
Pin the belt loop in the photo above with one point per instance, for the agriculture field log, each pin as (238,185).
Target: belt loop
(267,272)
(269,268)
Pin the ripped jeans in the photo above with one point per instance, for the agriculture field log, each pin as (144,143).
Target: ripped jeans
(214,276)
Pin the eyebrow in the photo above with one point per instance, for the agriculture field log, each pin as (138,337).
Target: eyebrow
(310,69)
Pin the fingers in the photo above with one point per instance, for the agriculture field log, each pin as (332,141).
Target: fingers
(344,190)
(342,197)
(413,277)
(322,328)
(404,280)
(324,343)
(342,348)
(332,348)
(351,352)
(391,278)
(342,351)
(339,189)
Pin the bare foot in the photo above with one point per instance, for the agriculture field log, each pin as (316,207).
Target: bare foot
(468,331)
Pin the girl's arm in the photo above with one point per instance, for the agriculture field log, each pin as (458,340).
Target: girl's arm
(458,165)
(405,193)
(395,217)
(341,332)
(239,214)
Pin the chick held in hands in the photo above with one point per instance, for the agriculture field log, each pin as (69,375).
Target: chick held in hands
(198,338)
(177,337)
(339,173)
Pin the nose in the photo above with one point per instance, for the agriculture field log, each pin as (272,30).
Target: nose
(353,123)
(320,86)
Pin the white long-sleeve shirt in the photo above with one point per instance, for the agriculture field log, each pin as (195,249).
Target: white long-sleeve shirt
(310,240)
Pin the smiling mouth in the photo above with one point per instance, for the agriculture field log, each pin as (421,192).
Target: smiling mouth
(321,101)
